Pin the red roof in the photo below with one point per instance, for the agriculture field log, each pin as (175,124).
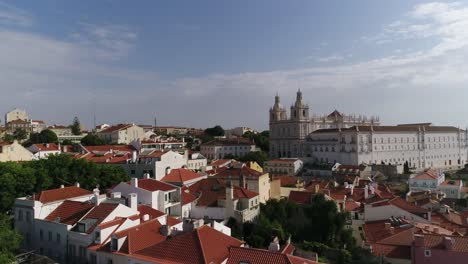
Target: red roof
(211,190)
(141,236)
(221,162)
(459,243)
(260,256)
(171,221)
(351,206)
(287,181)
(181,176)
(153,185)
(154,154)
(106,148)
(402,204)
(427,175)
(99,214)
(69,212)
(148,210)
(61,194)
(187,197)
(47,147)
(231,172)
(300,197)
(203,245)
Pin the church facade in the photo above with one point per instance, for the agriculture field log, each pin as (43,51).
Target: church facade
(288,134)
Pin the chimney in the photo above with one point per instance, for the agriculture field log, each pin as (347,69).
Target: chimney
(426,228)
(64,148)
(145,217)
(436,230)
(392,230)
(366,192)
(317,188)
(448,242)
(387,226)
(135,182)
(146,176)
(274,245)
(230,192)
(372,190)
(134,156)
(132,201)
(165,230)
(77,184)
(96,196)
(62,186)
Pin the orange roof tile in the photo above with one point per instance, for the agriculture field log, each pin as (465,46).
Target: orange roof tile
(153,185)
(181,176)
(141,236)
(300,197)
(61,194)
(47,147)
(260,256)
(151,212)
(99,213)
(203,245)
(69,212)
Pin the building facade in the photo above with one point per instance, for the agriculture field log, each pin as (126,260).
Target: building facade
(288,135)
(220,148)
(16,114)
(421,146)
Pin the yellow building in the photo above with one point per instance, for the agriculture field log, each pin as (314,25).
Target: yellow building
(241,175)
(254,166)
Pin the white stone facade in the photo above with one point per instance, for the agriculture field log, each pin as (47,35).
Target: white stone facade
(422,146)
(288,135)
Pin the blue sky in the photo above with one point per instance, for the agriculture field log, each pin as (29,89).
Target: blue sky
(202,63)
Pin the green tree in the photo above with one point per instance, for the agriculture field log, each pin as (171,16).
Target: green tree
(20,134)
(258,156)
(92,140)
(8,138)
(216,131)
(45,136)
(76,126)
(9,240)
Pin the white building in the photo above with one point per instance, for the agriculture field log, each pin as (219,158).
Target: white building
(427,180)
(155,163)
(156,194)
(283,166)
(196,161)
(42,151)
(121,134)
(422,146)
(453,189)
(219,148)
(288,135)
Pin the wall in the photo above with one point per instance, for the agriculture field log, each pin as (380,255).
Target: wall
(212,212)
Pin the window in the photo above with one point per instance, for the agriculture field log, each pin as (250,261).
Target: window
(427,253)
(28,216)
(41,234)
(50,235)
(20,215)
(132,172)
(58,238)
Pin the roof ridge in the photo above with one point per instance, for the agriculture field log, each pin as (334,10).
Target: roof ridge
(200,244)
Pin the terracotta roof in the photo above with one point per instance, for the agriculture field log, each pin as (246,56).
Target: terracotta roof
(211,190)
(300,197)
(260,256)
(153,154)
(460,244)
(148,210)
(106,148)
(203,245)
(402,204)
(5,143)
(187,197)
(153,185)
(61,194)
(141,236)
(231,172)
(181,176)
(221,162)
(427,175)
(69,212)
(351,205)
(287,181)
(452,183)
(171,221)
(99,214)
(47,147)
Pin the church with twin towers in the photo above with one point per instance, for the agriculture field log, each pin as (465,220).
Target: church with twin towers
(359,139)
(288,133)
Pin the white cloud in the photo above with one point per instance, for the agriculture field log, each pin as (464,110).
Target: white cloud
(10,15)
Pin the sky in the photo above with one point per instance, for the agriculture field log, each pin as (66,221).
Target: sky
(209,62)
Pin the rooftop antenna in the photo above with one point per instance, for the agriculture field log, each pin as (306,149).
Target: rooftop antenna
(155,121)
(94,114)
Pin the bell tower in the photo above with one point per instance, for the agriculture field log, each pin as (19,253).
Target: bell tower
(299,111)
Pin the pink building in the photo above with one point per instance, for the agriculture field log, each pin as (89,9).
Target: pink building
(435,249)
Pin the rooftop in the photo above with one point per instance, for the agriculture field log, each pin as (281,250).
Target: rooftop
(260,256)
(60,194)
